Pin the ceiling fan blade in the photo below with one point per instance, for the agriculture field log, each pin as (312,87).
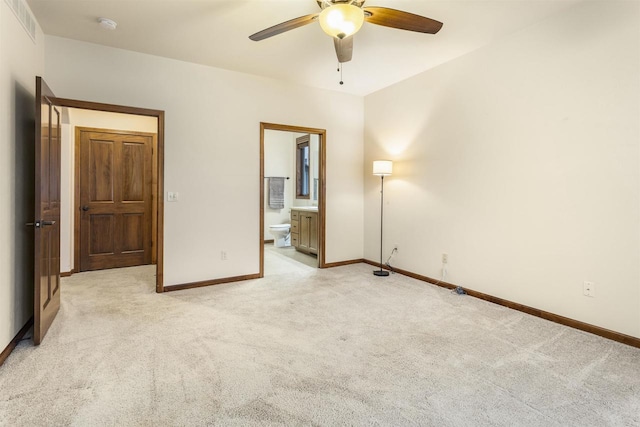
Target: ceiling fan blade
(344,48)
(284,26)
(402,20)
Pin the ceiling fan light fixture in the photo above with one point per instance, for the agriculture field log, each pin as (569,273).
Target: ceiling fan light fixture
(341,20)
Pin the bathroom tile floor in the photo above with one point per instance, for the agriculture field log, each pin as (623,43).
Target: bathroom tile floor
(287,259)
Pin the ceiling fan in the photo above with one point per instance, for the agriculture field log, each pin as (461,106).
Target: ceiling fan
(341,19)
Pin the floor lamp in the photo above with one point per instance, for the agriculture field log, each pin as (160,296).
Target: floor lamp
(382,168)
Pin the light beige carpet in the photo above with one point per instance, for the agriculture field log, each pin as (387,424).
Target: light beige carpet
(309,347)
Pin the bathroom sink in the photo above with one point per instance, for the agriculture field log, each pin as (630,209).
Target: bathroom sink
(306,208)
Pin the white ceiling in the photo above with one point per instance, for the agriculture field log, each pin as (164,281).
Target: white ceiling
(215,33)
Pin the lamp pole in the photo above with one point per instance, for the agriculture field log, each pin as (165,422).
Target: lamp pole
(382,168)
(381,272)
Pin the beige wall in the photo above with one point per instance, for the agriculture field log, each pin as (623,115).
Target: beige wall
(521,162)
(20,61)
(92,119)
(212,149)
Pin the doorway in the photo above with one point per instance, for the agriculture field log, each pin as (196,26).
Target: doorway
(157,186)
(311,198)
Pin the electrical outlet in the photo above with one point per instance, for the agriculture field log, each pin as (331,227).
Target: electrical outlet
(445,258)
(589,289)
(223,255)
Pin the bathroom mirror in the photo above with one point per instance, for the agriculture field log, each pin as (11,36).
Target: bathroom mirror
(315,155)
(303,167)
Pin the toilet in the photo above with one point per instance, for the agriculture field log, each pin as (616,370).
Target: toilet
(280,232)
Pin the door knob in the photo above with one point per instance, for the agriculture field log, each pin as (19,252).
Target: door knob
(39,224)
(85,208)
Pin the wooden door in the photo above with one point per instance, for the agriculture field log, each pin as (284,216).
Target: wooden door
(47,212)
(115,199)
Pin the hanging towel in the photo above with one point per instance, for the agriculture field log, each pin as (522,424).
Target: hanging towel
(276,193)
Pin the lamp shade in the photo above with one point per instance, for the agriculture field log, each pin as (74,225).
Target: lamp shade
(382,167)
(341,20)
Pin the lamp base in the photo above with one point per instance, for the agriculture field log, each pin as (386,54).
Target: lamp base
(380,273)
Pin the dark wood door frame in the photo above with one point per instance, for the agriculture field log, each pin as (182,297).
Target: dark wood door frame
(322,133)
(159,167)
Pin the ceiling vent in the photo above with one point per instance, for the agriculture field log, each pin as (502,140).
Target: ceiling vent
(22,12)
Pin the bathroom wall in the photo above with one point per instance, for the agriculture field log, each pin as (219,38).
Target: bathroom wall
(92,119)
(279,160)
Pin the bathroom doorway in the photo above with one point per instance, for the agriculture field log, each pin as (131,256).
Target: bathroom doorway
(292,195)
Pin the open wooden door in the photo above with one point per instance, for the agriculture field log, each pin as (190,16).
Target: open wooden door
(47,212)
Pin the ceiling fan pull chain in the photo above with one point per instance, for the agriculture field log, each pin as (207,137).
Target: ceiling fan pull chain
(340,66)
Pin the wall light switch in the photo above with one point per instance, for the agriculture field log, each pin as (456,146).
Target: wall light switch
(172,196)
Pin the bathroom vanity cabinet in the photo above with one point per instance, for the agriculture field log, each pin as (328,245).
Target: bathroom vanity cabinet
(304,230)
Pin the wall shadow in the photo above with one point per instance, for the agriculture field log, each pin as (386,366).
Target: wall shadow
(24,200)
